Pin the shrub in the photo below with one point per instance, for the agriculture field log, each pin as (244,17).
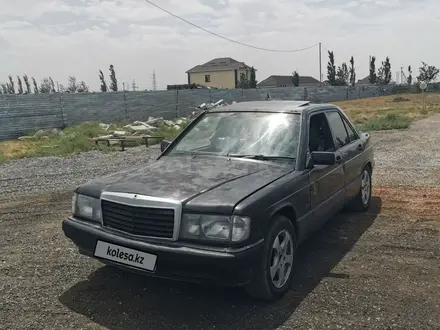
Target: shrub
(387,121)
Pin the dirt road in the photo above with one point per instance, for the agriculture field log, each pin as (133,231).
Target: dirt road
(379,270)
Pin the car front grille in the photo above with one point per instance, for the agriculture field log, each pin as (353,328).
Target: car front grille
(141,221)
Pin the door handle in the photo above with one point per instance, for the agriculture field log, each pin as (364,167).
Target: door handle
(360,147)
(338,159)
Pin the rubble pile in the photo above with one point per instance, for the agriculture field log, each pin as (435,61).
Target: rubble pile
(137,128)
(140,128)
(206,106)
(43,134)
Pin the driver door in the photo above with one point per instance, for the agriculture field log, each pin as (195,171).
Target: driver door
(326,181)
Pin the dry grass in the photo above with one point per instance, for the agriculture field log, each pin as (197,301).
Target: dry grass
(74,140)
(15,149)
(405,105)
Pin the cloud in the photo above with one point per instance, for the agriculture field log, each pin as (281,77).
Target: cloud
(59,38)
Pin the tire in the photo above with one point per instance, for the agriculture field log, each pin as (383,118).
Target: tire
(263,286)
(361,203)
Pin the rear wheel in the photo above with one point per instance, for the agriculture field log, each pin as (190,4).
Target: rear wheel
(361,203)
(274,272)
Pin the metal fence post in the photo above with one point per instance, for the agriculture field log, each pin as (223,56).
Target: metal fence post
(62,111)
(177,103)
(126,107)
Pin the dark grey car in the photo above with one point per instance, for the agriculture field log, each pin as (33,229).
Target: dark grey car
(231,198)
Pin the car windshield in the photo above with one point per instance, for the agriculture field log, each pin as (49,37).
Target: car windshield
(243,134)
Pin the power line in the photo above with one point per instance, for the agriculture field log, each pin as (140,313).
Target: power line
(228,39)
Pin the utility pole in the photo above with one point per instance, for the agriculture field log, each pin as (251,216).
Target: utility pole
(401,75)
(154,81)
(320,66)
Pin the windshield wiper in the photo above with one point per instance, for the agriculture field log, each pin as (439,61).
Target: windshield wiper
(260,157)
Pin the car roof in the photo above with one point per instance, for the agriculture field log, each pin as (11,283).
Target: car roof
(272,106)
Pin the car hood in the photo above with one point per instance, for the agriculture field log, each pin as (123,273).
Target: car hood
(196,181)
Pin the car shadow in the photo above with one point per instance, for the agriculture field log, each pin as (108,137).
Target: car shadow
(121,300)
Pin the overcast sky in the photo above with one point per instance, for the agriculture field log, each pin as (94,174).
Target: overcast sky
(59,38)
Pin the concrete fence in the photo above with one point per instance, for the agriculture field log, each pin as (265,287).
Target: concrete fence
(20,114)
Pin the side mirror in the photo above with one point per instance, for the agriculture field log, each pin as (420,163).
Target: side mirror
(164,144)
(322,158)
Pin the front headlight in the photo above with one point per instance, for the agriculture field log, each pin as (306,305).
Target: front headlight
(215,227)
(86,207)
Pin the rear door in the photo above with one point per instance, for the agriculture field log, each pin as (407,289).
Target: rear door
(354,164)
(347,142)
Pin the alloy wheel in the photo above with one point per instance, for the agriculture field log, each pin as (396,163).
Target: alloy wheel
(281,260)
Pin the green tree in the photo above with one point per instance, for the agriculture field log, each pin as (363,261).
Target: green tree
(342,75)
(28,85)
(384,73)
(45,85)
(253,80)
(5,89)
(36,90)
(114,81)
(20,85)
(352,72)
(409,79)
(244,82)
(295,79)
(104,87)
(72,86)
(11,85)
(82,87)
(373,77)
(331,69)
(427,73)
(52,85)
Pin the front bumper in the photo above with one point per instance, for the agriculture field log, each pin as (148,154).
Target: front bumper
(232,267)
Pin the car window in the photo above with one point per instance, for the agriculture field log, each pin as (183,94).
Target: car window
(243,133)
(320,137)
(351,132)
(338,128)
(199,136)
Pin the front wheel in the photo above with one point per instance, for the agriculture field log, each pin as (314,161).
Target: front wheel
(274,271)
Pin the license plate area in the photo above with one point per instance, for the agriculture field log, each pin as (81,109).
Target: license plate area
(126,256)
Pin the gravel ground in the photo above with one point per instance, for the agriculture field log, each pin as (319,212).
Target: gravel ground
(30,176)
(378,270)
(409,157)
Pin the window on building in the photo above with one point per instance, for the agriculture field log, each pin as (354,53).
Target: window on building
(207,78)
